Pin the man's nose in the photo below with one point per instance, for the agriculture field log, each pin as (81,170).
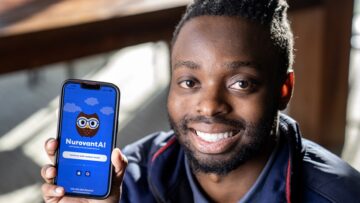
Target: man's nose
(213,102)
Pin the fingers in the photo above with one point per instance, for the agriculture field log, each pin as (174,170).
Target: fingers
(52,192)
(120,162)
(50,147)
(48,173)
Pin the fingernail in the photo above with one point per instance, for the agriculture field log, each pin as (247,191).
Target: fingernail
(51,140)
(47,172)
(58,190)
(48,143)
(118,150)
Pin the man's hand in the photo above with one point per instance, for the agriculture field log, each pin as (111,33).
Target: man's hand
(53,193)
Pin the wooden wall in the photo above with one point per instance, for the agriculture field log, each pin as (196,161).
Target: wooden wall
(322,43)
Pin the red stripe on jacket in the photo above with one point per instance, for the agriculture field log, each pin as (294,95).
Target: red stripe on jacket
(162,149)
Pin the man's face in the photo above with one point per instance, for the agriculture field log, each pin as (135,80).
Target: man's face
(223,93)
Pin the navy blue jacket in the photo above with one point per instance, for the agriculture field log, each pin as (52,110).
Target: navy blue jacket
(305,172)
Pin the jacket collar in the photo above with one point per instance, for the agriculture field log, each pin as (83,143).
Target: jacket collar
(166,173)
(291,132)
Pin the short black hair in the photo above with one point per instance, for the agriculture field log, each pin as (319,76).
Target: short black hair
(270,13)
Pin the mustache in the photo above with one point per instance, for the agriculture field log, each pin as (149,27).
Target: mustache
(235,123)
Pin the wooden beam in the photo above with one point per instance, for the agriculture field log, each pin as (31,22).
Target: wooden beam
(35,49)
(39,42)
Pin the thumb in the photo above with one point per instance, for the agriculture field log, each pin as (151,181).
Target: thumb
(120,163)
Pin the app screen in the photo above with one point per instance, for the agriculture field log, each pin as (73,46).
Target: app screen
(86,131)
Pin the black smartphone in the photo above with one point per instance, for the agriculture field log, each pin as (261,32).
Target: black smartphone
(87,131)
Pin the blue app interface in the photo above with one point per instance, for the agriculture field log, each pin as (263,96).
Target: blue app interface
(86,131)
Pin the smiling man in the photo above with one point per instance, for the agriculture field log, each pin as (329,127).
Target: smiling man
(231,74)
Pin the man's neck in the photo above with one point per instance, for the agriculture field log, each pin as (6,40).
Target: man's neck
(234,185)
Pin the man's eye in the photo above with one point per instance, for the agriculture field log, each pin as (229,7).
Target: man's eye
(241,85)
(187,84)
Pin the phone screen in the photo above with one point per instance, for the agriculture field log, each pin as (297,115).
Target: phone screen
(87,130)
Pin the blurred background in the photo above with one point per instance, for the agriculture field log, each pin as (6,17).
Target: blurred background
(126,42)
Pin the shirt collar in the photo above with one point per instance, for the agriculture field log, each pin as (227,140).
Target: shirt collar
(250,196)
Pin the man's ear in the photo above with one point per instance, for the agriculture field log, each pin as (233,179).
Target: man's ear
(286,90)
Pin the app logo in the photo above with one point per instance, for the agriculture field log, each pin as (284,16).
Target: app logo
(87,125)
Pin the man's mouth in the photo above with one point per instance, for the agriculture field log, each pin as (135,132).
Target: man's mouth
(215,137)
(215,140)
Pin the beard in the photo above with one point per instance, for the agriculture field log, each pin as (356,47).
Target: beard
(258,136)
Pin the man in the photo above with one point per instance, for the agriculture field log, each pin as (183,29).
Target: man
(231,74)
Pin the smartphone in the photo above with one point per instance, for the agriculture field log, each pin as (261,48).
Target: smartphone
(87,132)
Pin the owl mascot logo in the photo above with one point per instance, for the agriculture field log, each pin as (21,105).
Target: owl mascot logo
(87,125)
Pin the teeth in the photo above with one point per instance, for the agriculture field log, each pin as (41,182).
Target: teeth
(214,137)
